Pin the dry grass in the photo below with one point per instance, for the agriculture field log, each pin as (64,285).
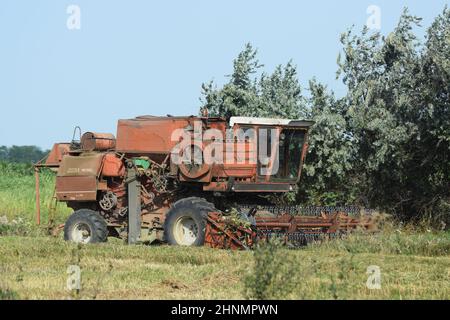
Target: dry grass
(35,268)
(414,265)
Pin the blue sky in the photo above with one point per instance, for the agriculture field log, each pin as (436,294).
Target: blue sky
(150,57)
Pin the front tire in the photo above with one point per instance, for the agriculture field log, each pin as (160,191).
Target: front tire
(85,226)
(186,222)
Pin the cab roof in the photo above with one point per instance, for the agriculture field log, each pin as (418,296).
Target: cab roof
(270,121)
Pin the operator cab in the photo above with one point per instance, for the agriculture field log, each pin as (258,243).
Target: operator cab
(280,143)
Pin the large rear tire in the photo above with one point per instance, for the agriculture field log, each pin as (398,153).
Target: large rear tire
(85,226)
(185,222)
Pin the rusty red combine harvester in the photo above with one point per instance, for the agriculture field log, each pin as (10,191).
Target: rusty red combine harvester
(147,184)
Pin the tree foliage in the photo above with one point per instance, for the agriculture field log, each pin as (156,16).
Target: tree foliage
(331,151)
(248,93)
(25,154)
(397,108)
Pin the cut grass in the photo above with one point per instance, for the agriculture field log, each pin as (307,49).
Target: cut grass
(414,265)
(35,268)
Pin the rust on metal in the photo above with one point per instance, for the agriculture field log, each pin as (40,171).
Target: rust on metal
(55,156)
(91,141)
(293,230)
(77,177)
(223,234)
(113,166)
(38,196)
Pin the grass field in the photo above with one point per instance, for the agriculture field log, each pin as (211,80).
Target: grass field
(413,265)
(35,268)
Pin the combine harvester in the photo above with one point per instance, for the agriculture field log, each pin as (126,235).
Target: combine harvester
(190,181)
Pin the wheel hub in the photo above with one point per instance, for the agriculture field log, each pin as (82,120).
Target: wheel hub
(81,233)
(186,231)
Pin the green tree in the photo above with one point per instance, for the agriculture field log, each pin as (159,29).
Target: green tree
(275,95)
(280,94)
(397,111)
(3,153)
(430,172)
(239,95)
(25,154)
(331,153)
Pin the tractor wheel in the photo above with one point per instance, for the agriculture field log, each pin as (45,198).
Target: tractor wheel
(186,222)
(85,226)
